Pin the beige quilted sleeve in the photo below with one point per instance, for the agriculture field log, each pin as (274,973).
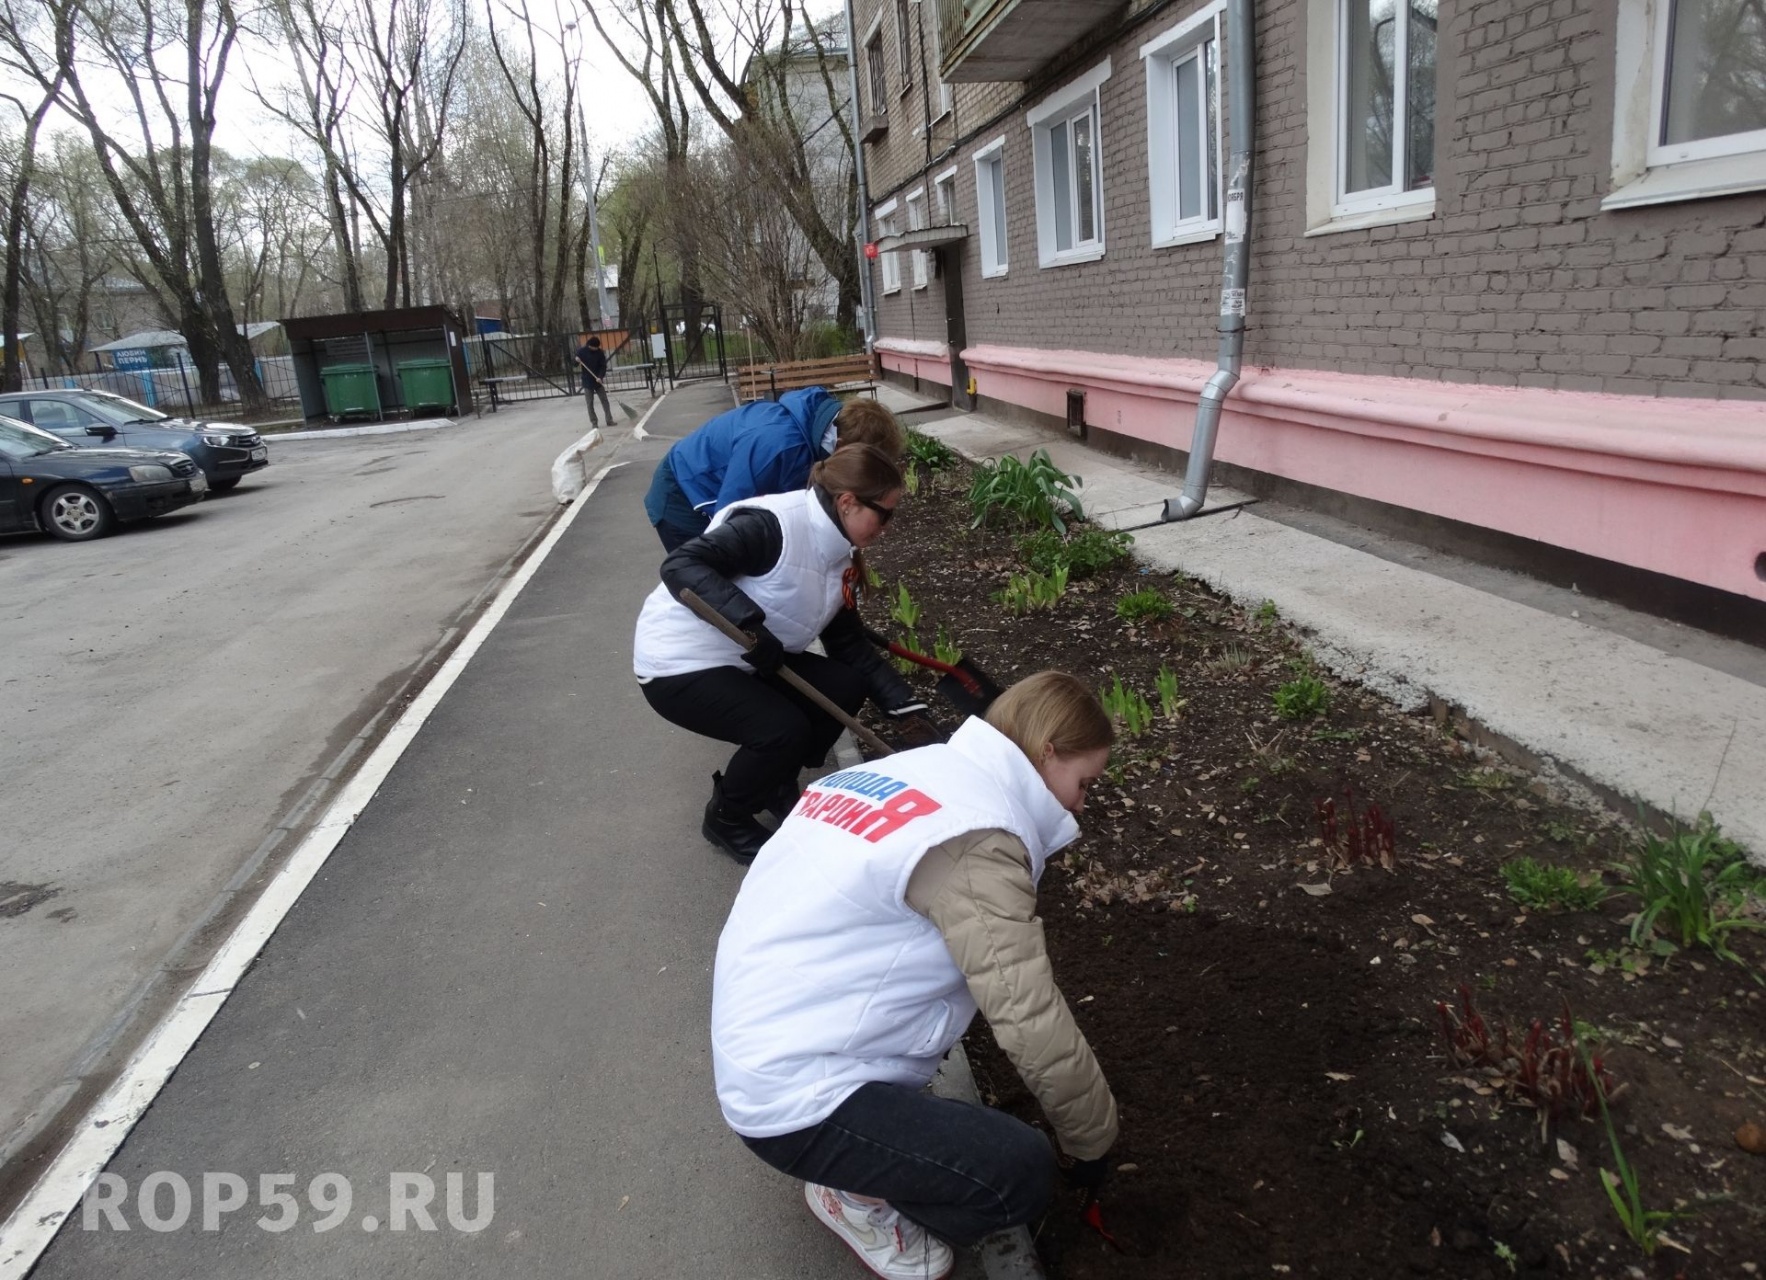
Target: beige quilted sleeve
(976,889)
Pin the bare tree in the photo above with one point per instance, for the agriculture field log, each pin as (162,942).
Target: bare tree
(70,249)
(21,30)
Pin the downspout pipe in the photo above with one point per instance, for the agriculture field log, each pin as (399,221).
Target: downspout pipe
(866,303)
(1236,268)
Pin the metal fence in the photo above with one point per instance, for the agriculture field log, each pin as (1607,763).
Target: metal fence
(508,368)
(176,389)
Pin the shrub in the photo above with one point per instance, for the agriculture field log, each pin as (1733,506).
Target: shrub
(1146,605)
(1695,886)
(1304,695)
(1036,493)
(1545,886)
(1082,552)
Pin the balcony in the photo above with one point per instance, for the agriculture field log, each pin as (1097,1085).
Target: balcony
(876,124)
(985,41)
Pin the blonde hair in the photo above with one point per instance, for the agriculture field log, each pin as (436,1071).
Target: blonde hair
(868,422)
(1052,709)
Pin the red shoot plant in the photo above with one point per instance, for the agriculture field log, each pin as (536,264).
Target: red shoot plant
(1544,1070)
(1368,837)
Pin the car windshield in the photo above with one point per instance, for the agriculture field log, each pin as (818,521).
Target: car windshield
(120,410)
(21,440)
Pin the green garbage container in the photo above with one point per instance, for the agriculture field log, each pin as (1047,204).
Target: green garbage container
(427,384)
(351,390)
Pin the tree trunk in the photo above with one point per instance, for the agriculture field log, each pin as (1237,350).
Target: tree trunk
(12,368)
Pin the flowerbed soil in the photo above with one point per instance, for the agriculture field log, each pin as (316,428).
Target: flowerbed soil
(1288,1103)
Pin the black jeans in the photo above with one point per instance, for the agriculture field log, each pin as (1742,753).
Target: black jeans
(777,730)
(591,389)
(959,1170)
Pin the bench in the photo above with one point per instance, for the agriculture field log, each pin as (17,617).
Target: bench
(837,373)
(491,385)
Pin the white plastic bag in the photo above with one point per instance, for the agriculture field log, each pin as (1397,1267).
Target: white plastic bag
(570,472)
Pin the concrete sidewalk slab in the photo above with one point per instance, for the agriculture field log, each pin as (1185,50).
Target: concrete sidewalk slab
(1593,703)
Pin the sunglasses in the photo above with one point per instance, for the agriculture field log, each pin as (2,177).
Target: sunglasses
(884,514)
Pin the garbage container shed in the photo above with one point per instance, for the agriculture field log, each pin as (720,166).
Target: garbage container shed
(427,384)
(351,390)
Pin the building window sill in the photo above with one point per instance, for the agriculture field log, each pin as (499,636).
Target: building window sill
(1419,211)
(993,273)
(1073,257)
(1691,180)
(1197,235)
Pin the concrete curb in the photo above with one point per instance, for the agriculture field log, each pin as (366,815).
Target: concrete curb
(372,429)
(1005,1255)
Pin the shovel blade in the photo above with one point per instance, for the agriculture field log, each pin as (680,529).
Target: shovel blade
(971,697)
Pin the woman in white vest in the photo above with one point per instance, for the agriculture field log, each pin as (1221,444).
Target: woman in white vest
(897,899)
(786,569)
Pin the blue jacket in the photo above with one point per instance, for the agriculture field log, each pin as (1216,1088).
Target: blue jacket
(763,447)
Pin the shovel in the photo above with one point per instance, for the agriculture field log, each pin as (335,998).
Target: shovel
(708,614)
(963,684)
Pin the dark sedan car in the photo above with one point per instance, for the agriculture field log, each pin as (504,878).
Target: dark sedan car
(225,452)
(80,494)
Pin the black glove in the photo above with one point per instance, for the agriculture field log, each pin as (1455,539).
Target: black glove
(767,655)
(914,725)
(1085,1175)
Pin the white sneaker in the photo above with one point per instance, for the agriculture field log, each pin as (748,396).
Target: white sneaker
(884,1241)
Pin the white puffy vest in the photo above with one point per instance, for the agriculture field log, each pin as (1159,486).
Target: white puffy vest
(826,978)
(800,594)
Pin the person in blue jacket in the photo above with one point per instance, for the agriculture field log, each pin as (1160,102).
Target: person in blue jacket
(764,447)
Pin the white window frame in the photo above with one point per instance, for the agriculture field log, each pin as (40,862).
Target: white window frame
(1644,171)
(884,217)
(1325,92)
(916,202)
(944,197)
(876,67)
(945,98)
(1163,54)
(903,46)
(993,255)
(1392,195)
(1071,101)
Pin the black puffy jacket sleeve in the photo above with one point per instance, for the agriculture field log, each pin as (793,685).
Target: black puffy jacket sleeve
(845,640)
(747,544)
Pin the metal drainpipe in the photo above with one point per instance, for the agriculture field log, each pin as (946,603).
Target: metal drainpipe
(866,304)
(1236,269)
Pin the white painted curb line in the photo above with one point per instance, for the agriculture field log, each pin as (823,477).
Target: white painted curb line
(33,1225)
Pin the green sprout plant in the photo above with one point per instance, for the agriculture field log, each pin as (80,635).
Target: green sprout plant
(1081,551)
(1545,886)
(1644,1226)
(910,479)
(1149,604)
(1170,704)
(1033,592)
(929,454)
(1035,493)
(944,648)
(1126,707)
(1695,886)
(906,610)
(1266,614)
(1302,697)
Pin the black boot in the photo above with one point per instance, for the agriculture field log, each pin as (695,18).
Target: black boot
(732,830)
(784,800)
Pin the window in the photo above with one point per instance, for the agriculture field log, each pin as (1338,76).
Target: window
(1183,129)
(904,44)
(944,191)
(943,97)
(1069,172)
(990,206)
(879,79)
(1386,103)
(891,265)
(917,222)
(1690,115)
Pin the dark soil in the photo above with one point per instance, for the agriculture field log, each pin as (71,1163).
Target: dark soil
(1287,1099)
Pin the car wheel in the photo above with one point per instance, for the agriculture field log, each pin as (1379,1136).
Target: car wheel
(76,513)
(221,486)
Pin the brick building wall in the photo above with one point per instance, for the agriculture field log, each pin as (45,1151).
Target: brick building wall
(1518,279)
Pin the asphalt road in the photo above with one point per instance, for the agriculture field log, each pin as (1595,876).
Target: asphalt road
(504,969)
(169,693)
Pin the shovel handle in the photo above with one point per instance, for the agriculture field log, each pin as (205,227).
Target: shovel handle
(707,614)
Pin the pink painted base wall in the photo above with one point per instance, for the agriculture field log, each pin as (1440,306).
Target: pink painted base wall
(1670,485)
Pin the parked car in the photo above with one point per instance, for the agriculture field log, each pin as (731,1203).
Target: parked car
(78,494)
(227,453)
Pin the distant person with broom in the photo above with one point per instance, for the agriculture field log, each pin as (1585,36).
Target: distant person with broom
(593,361)
(764,447)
